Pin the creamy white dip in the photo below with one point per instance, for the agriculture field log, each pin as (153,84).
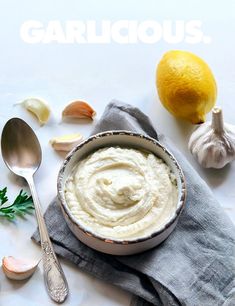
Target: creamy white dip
(121,193)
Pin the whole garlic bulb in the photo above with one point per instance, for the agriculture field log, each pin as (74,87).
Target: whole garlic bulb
(213,143)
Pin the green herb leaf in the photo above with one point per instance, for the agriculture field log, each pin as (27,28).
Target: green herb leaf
(22,205)
(3,197)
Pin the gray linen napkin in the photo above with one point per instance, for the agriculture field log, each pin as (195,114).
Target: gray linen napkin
(195,266)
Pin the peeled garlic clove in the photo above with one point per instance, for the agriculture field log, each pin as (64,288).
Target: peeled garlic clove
(66,143)
(18,269)
(78,109)
(39,108)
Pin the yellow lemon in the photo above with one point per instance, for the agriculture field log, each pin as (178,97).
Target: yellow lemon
(186,85)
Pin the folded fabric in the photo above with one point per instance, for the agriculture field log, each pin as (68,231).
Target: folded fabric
(194,266)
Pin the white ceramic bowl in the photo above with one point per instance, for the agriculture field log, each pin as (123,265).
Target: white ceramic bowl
(124,139)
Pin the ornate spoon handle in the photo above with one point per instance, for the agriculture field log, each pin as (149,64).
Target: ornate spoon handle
(54,277)
(53,274)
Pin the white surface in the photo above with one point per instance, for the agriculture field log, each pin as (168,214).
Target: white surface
(99,73)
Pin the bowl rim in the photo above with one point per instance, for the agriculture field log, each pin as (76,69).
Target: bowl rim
(66,211)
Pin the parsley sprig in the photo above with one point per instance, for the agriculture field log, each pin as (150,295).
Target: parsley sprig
(23,204)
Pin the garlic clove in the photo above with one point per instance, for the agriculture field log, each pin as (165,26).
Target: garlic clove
(66,143)
(39,108)
(79,110)
(18,269)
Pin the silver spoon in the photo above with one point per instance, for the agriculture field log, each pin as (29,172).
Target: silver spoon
(22,154)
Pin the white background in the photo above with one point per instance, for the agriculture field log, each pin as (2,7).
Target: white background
(98,73)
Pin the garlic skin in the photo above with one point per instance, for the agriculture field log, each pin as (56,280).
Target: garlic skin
(79,110)
(66,143)
(213,143)
(18,269)
(39,108)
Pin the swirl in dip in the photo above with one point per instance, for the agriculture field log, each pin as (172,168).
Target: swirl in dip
(121,193)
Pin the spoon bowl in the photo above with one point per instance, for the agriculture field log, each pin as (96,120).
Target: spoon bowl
(21,150)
